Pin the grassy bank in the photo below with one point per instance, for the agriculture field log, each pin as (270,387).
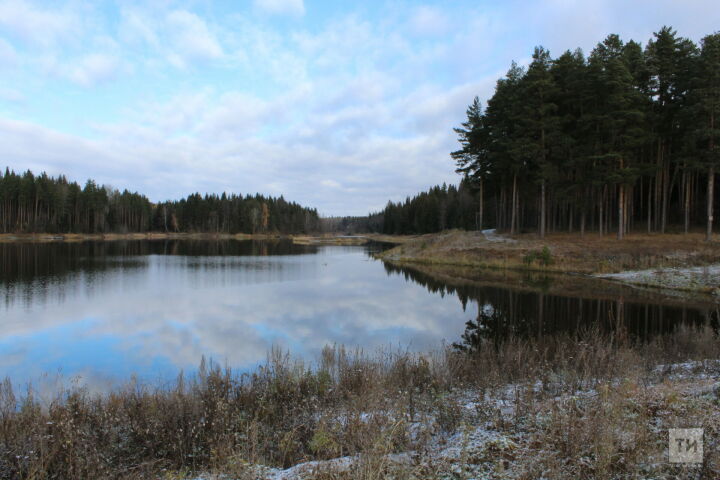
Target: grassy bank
(590,407)
(334,239)
(565,253)
(324,239)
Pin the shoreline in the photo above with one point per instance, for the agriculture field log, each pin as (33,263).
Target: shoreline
(671,262)
(559,284)
(110,237)
(300,239)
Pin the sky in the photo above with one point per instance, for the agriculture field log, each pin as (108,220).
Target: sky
(336,105)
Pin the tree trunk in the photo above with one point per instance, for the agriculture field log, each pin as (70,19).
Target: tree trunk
(542,209)
(649,207)
(621,212)
(687,202)
(513,216)
(710,200)
(480,213)
(665,192)
(601,218)
(658,187)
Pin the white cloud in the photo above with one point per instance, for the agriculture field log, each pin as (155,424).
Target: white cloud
(238,115)
(190,39)
(36,25)
(329,183)
(11,95)
(178,37)
(28,146)
(136,27)
(427,20)
(8,55)
(292,7)
(94,69)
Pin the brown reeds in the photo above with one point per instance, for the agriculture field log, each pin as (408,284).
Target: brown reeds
(367,407)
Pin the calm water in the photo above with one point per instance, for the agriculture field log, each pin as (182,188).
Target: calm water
(104,311)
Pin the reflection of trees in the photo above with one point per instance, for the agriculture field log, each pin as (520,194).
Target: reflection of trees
(505,312)
(26,262)
(488,324)
(27,270)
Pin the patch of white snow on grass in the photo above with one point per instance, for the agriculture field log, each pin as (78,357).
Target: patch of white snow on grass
(491,235)
(675,277)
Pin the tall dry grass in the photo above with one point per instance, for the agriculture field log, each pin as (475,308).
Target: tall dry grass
(349,404)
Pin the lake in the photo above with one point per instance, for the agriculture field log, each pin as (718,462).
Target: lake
(100,312)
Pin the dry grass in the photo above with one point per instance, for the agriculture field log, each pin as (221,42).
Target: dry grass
(329,240)
(560,407)
(361,239)
(591,253)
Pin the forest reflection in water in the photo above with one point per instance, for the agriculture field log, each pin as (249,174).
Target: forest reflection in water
(22,261)
(534,304)
(31,272)
(106,310)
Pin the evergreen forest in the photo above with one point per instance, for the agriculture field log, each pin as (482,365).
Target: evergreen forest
(40,203)
(624,139)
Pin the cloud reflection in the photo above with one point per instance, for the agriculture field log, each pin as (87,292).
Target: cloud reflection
(166,312)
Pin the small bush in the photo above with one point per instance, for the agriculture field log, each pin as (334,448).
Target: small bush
(543,257)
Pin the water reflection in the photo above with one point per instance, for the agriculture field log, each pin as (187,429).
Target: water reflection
(106,310)
(29,261)
(108,316)
(544,307)
(38,273)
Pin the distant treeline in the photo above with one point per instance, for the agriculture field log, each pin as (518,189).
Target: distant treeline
(30,203)
(440,208)
(352,225)
(625,139)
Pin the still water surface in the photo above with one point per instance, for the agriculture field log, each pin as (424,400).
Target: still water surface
(102,311)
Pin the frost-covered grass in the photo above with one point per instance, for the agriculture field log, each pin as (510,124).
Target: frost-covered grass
(594,406)
(703,279)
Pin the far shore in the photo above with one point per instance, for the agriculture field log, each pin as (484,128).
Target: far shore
(303,239)
(83,237)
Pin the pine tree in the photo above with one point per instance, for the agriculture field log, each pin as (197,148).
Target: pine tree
(708,109)
(472,159)
(540,124)
(507,151)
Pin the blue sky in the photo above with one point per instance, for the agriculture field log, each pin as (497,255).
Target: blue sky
(336,105)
